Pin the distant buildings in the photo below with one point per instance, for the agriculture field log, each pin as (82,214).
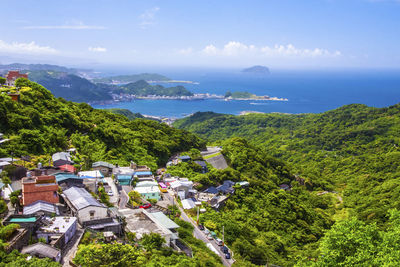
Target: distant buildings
(61,158)
(39,188)
(104,167)
(11,76)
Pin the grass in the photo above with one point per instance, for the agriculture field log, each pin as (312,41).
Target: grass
(212,155)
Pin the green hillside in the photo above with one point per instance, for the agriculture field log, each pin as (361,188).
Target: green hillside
(142,88)
(41,124)
(132,78)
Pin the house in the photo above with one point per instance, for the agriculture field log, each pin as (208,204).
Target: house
(67,168)
(141,222)
(124,179)
(148,190)
(218,202)
(104,167)
(226,187)
(211,190)
(29,222)
(83,205)
(188,204)
(184,186)
(203,165)
(185,158)
(144,175)
(39,188)
(243,184)
(41,250)
(11,76)
(41,207)
(66,180)
(90,174)
(57,231)
(61,158)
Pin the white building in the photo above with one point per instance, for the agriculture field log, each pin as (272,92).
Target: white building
(55,227)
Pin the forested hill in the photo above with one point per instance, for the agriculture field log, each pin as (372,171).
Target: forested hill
(40,124)
(353,150)
(143,88)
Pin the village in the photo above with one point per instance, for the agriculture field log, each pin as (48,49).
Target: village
(56,204)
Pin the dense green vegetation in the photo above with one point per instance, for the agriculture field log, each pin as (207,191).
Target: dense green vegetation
(41,124)
(240,95)
(353,151)
(132,78)
(126,112)
(142,88)
(71,86)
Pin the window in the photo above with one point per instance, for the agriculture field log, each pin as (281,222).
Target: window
(91,213)
(153,194)
(55,193)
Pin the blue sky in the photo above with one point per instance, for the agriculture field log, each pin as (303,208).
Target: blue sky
(275,33)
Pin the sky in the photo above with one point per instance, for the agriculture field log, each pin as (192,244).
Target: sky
(207,33)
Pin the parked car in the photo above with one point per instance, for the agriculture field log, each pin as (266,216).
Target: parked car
(110,193)
(146,206)
(209,237)
(227,255)
(224,249)
(201,227)
(219,241)
(206,231)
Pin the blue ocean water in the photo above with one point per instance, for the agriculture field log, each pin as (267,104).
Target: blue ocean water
(307,91)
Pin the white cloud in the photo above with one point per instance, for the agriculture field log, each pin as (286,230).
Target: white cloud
(233,48)
(97,49)
(74,25)
(26,48)
(148,17)
(186,51)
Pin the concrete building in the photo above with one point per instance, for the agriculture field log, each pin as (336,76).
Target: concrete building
(148,190)
(13,75)
(104,167)
(183,188)
(61,158)
(39,188)
(41,250)
(83,205)
(58,231)
(141,222)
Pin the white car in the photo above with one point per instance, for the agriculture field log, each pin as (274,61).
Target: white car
(110,193)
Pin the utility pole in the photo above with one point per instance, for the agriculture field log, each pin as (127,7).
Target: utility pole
(223,235)
(198,215)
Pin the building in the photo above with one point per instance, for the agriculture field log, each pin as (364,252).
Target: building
(203,165)
(144,175)
(185,158)
(148,190)
(124,179)
(141,222)
(183,188)
(67,168)
(66,180)
(57,231)
(83,205)
(39,188)
(90,174)
(226,187)
(104,167)
(41,250)
(41,207)
(61,158)
(11,76)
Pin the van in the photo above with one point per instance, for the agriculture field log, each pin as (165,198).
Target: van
(219,241)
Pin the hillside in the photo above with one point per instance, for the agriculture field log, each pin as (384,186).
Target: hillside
(71,86)
(41,124)
(353,150)
(142,88)
(132,78)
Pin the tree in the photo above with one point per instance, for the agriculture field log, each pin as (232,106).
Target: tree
(2,81)
(135,198)
(152,241)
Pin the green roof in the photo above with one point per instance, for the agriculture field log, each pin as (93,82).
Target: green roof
(164,220)
(20,220)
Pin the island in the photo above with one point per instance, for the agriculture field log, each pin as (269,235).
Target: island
(257,70)
(249,96)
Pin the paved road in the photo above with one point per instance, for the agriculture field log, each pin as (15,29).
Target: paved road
(115,197)
(123,200)
(200,234)
(72,247)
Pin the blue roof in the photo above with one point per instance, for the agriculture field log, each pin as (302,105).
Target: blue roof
(64,176)
(211,190)
(124,177)
(185,157)
(143,173)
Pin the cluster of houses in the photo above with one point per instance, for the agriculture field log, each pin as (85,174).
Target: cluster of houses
(11,77)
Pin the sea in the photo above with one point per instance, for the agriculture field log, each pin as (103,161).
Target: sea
(310,91)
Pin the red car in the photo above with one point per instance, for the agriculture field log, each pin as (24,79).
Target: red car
(145,206)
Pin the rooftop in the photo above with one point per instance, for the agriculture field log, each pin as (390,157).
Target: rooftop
(42,249)
(164,220)
(22,220)
(59,224)
(147,189)
(61,156)
(40,205)
(90,174)
(144,173)
(102,164)
(80,198)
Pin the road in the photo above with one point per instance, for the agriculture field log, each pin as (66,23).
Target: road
(114,198)
(200,234)
(72,247)
(124,196)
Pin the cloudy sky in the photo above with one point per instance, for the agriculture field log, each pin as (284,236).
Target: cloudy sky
(276,33)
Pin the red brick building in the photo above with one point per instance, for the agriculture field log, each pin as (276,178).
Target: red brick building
(39,188)
(12,75)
